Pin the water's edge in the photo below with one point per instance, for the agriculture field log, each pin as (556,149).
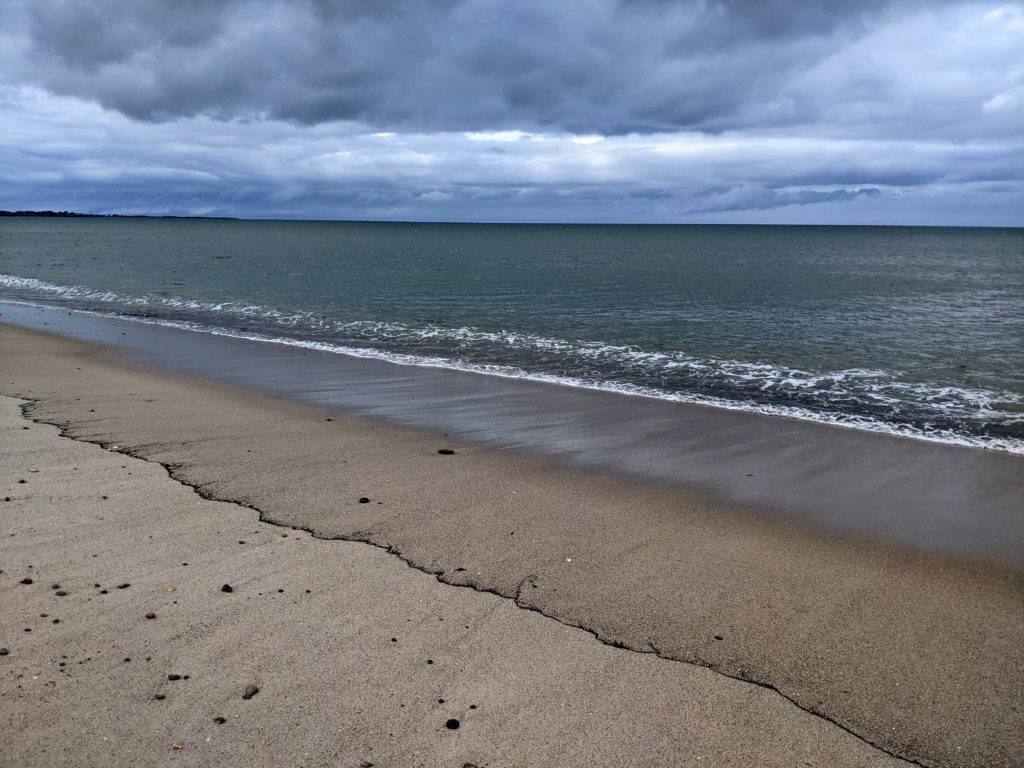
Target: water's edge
(1007,443)
(929,495)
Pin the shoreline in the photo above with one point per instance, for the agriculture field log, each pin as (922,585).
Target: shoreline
(855,630)
(1004,444)
(912,492)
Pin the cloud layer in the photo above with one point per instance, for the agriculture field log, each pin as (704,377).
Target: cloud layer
(655,110)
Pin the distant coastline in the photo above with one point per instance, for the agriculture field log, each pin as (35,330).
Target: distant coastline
(76,215)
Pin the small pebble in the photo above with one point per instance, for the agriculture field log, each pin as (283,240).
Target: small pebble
(26,580)
(123,586)
(363,500)
(452,724)
(250,691)
(219,720)
(174,677)
(61,593)
(227,588)
(446,451)
(4,651)
(150,615)
(159,697)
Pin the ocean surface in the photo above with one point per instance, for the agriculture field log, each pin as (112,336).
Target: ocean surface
(912,331)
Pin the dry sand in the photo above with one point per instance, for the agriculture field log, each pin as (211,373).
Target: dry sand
(920,655)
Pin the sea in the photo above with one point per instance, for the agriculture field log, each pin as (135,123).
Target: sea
(912,331)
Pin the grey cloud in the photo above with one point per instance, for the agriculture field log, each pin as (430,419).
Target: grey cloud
(603,66)
(62,153)
(757,198)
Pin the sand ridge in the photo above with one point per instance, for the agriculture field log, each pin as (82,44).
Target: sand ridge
(323,652)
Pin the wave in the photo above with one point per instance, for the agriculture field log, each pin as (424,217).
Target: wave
(873,400)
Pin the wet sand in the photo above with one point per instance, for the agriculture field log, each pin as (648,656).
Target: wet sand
(845,641)
(928,496)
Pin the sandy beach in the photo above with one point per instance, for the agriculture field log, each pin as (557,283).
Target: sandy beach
(555,615)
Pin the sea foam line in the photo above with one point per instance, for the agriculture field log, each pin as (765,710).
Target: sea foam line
(848,421)
(874,388)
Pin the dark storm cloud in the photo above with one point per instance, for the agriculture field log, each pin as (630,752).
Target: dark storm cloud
(601,66)
(879,111)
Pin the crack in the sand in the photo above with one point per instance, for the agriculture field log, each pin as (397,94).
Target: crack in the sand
(366,537)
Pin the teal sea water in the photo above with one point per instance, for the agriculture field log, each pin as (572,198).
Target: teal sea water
(916,331)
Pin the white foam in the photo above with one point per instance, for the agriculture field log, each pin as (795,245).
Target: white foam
(870,387)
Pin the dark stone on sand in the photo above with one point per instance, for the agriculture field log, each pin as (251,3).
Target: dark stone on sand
(61,593)
(250,691)
(21,481)
(150,615)
(363,500)
(174,677)
(452,724)
(159,697)
(219,720)
(55,586)
(4,651)
(7,498)
(26,580)
(56,621)
(446,451)
(227,588)
(123,586)
(718,637)
(103,591)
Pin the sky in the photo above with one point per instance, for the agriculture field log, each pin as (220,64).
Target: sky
(661,111)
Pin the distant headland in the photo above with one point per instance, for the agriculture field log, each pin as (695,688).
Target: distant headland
(76,215)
